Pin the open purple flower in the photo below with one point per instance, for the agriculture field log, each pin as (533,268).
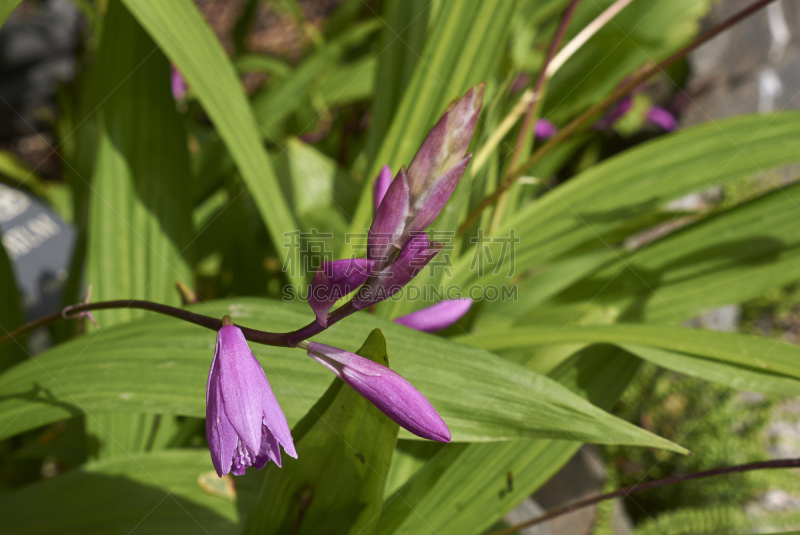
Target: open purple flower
(436,317)
(244,423)
(383,387)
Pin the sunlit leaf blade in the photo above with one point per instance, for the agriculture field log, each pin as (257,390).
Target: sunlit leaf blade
(742,361)
(154,493)
(179,29)
(481,396)
(344,447)
(729,258)
(140,214)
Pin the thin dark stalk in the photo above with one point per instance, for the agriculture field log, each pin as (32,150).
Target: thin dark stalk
(555,44)
(578,123)
(288,339)
(763,465)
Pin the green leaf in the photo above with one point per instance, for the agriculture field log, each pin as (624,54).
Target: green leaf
(344,447)
(350,82)
(741,361)
(464,489)
(264,64)
(155,493)
(20,173)
(481,396)
(399,50)
(140,216)
(728,258)
(183,34)
(283,98)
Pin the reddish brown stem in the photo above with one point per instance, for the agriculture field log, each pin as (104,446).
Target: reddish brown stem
(288,339)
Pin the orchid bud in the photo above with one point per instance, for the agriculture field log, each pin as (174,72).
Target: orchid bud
(437,167)
(244,422)
(384,388)
(380,186)
(392,278)
(386,234)
(436,317)
(415,198)
(335,280)
(446,143)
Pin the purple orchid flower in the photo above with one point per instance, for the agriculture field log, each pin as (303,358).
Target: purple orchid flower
(335,280)
(436,317)
(244,422)
(178,82)
(544,129)
(663,118)
(384,388)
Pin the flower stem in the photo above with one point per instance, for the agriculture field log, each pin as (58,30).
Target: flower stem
(779,463)
(288,339)
(535,104)
(573,127)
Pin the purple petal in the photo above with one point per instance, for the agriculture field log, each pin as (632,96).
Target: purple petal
(544,129)
(269,451)
(221,436)
(241,380)
(447,142)
(380,186)
(388,226)
(436,317)
(275,427)
(386,389)
(391,279)
(178,83)
(662,118)
(333,281)
(431,202)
